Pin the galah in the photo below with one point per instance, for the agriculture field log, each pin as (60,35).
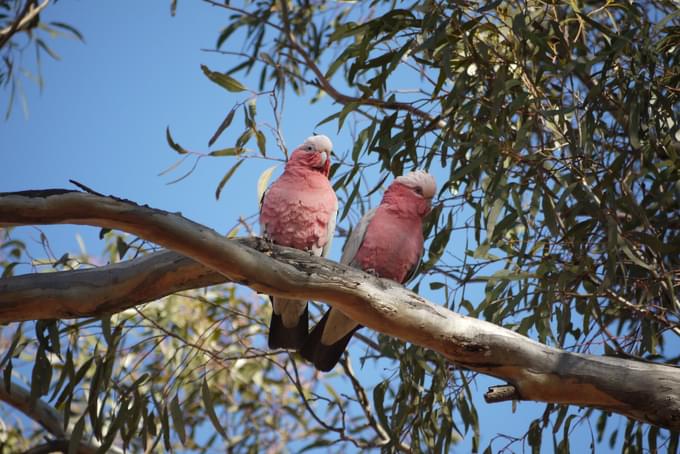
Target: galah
(388,242)
(299,211)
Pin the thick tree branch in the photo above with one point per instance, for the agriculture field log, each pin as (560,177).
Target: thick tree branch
(645,391)
(44,414)
(104,290)
(19,397)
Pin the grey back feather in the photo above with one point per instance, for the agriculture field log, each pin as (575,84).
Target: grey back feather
(331,231)
(355,239)
(415,269)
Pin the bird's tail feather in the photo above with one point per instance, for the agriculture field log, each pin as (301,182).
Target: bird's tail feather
(324,357)
(290,338)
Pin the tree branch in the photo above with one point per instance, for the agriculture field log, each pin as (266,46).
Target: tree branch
(23,19)
(500,394)
(19,397)
(104,290)
(645,391)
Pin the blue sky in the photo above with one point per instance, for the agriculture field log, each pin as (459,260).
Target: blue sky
(101,120)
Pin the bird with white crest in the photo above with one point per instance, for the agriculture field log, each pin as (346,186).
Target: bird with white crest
(388,242)
(299,211)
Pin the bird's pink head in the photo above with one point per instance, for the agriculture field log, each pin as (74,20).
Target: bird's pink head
(314,153)
(413,191)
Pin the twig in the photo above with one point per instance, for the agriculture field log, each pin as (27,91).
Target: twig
(501,394)
(325,84)
(22,20)
(85,188)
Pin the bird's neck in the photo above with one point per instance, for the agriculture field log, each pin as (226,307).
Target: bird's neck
(304,175)
(403,202)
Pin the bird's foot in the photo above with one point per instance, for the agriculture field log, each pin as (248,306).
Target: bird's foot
(372,272)
(267,244)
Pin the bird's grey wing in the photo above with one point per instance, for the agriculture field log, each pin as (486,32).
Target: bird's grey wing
(415,268)
(331,231)
(355,239)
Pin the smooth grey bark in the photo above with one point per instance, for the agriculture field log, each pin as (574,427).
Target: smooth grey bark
(102,290)
(645,391)
(44,414)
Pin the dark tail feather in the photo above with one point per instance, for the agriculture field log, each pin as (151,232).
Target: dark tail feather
(324,357)
(289,338)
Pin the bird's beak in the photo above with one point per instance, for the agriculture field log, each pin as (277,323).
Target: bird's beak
(326,162)
(324,158)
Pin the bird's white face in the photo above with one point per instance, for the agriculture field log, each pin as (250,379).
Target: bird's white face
(315,152)
(318,144)
(421,182)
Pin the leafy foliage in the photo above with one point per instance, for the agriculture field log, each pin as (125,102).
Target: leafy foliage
(21,31)
(556,129)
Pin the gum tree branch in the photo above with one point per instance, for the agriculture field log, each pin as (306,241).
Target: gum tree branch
(103,290)
(19,397)
(47,416)
(645,391)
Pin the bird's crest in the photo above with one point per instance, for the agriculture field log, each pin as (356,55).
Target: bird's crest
(422,179)
(318,143)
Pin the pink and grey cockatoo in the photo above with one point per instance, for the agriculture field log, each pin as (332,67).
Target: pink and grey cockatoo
(388,242)
(299,211)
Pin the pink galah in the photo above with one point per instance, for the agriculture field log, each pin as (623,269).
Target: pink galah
(299,211)
(388,242)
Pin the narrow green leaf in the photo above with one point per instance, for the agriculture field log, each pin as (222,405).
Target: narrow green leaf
(244,138)
(165,427)
(493,215)
(549,214)
(225,33)
(175,146)
(76,436)
(223,80)
(67,370)
(379,403)
(115,428)
(15,341)
(92,400)
(231,151)
(634,122)
(327,119)
(68,390)
(208,403)
(41,44)
(226,178)
(7,376)
(350,199)
(261,142)
(224,125)
(41,375)
(69,29)
(178,419)
(122,247)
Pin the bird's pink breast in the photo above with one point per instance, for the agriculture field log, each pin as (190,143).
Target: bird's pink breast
(392,245)
(297,209)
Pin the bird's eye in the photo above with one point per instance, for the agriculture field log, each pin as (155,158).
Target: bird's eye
(418,190)
(309,148)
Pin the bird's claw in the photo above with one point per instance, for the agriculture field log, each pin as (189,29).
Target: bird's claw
(268,242)
(372,272)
